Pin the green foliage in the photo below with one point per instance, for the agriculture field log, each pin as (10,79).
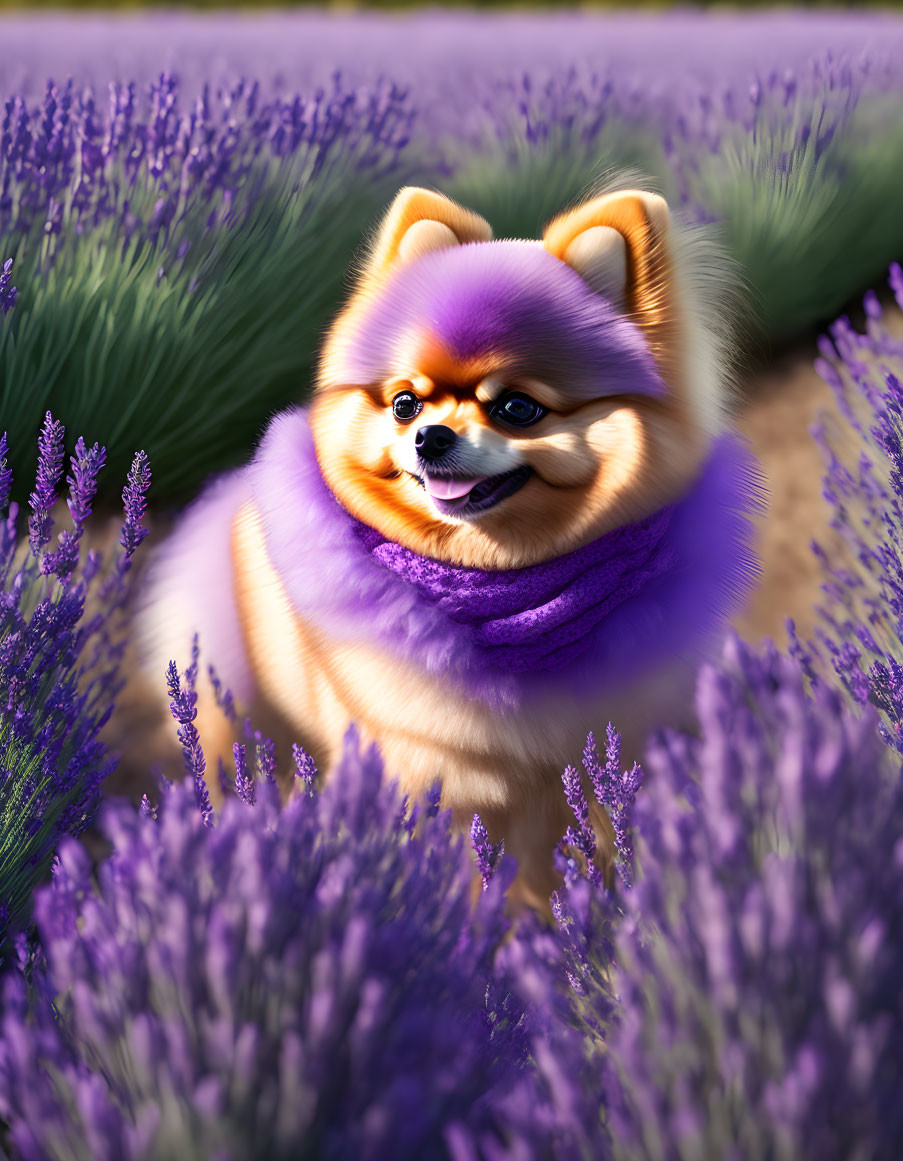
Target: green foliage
(811,238)
(186,356)
(519,186)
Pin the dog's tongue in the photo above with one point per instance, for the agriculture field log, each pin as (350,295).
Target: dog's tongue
(451,489)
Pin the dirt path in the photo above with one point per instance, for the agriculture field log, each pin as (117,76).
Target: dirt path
(784,402)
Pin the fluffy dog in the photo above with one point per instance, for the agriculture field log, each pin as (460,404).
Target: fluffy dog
(512,513)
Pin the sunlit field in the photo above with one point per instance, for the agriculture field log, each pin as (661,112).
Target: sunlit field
(181,199)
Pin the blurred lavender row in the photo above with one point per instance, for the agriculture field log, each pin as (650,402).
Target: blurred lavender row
(437,52)
(147,160)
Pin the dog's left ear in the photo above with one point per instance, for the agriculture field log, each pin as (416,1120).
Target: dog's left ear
(618,244)
(418,221)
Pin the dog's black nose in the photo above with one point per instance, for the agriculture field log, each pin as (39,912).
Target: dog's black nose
(433,441)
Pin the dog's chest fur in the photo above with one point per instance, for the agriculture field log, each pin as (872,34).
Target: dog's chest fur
(427,727)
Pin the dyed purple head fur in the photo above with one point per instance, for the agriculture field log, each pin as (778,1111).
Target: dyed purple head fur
(509,301)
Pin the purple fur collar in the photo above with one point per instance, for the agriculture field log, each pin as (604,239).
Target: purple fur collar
(598,616)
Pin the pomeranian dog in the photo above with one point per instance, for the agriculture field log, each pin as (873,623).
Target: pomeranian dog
(513,512)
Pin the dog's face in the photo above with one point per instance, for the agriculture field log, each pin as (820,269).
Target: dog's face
(500,403)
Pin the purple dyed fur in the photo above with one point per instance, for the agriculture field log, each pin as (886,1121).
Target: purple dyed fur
(528,619)
(513,301)
(693,563)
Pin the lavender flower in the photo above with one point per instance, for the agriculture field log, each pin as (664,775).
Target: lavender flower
(244,784)
(583,838)
(305,769)
(488,853)
(303,982)
(86,463)
(134,499)
(59,674)
(7,293)
(615,790)
(183,707)
(50,466)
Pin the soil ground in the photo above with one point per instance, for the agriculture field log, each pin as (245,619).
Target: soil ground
(781,405)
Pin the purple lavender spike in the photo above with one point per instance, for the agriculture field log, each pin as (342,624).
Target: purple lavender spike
(50,466)
(488,853)
(576,799)
(7,293)
(134,499)
(305,768)
(583,838)
(6,474)
(86,464)
(616,791)
(244,784)
(183,707)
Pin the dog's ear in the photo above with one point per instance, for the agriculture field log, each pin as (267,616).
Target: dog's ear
(618,244)
(418,221)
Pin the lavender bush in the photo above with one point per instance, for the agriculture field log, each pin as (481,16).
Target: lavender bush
(860,638)
(312,979)
(758,956)
(62,634)
(755,1008)
(301,982)
(795,164)
(170,250)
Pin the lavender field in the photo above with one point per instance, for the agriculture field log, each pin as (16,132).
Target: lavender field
(179,201)
(215,195)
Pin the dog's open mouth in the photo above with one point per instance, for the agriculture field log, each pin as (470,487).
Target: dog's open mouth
(471,495)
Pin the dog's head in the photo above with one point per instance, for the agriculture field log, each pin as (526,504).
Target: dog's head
(499,403)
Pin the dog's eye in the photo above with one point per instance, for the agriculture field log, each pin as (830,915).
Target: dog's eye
(406,405)
(517,410)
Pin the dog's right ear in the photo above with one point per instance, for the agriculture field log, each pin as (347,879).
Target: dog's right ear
(418,221)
